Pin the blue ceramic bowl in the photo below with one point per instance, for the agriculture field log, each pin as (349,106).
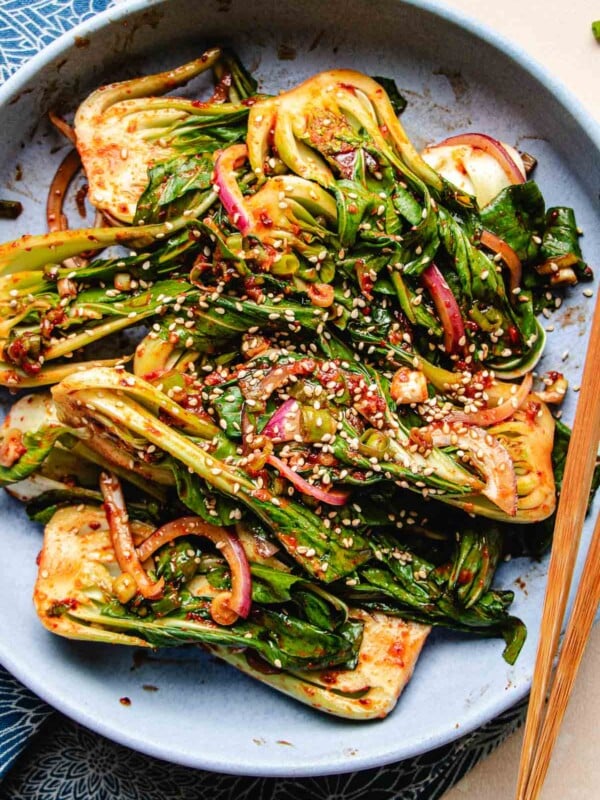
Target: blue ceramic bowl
(456,76)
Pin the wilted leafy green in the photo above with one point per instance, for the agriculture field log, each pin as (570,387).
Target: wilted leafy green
(391,89)
(517,215)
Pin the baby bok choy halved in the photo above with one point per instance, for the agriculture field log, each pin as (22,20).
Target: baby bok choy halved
(298,637)
(120,422)
(127,129)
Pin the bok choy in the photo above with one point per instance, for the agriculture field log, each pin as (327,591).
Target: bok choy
(292,413)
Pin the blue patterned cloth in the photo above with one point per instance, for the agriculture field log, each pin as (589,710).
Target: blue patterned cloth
(21,716)
(27,26)
(68,762)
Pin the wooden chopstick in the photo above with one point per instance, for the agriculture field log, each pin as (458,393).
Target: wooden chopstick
(578,631)
(579,468)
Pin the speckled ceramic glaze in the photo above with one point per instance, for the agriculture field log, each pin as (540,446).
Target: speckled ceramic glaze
(456,77)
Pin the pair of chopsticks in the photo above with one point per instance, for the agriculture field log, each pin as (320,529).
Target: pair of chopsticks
(541,730)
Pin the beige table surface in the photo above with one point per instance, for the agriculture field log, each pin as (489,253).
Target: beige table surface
(557,34)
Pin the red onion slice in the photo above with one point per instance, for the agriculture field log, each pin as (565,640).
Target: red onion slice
(492,416)
(230,195)
(285,422)
(447,309)
(127,557)
(332,498)
(225,541)
(63,127)
(491,146)
(508,255)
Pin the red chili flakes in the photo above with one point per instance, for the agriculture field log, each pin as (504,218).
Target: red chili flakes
(330,677)
(531,409)
(290,542)
(265,219)
(465,576)
(253,289)
(367,402)
(396,652)
(366,284)
(262,494)
(214,379)
(513,334)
